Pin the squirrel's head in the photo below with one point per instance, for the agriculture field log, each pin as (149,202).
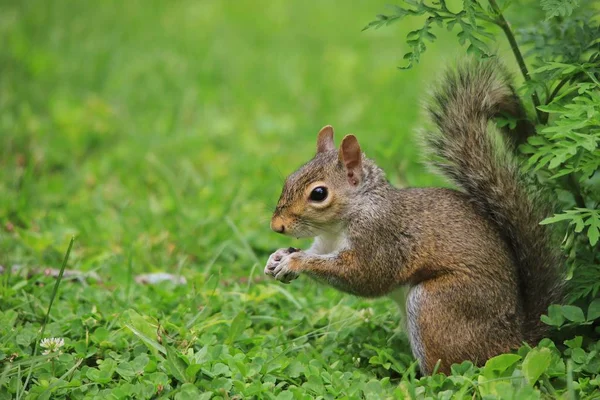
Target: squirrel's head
(315,199)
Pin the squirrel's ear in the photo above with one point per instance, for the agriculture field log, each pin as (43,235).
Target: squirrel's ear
(325,139)
(350,155)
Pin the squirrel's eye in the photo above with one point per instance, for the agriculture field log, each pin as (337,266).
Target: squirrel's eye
(318,194)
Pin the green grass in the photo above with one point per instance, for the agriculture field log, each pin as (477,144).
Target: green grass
(159,134)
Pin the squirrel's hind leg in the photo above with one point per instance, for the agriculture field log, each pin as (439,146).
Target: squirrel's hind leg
(452,320)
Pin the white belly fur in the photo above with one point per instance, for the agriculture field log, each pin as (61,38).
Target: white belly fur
(329,244)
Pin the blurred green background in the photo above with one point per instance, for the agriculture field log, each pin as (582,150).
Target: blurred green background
(162,131)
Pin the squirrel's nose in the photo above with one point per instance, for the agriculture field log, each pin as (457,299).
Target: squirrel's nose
(277,225)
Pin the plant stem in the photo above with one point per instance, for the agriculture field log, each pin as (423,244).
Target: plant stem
(560,85)
(576,190)
(55,289)
(503,24)
(542,117)
(45,321)
(557,89)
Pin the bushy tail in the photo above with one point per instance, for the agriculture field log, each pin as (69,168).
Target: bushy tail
(471,151)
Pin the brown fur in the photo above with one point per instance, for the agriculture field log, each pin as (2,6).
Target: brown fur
(478,265)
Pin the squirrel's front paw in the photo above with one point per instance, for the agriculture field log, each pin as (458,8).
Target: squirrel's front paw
(278,265)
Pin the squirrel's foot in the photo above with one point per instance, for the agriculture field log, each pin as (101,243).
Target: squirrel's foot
(278,265)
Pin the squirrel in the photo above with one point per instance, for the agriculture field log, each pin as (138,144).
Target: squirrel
(477,267)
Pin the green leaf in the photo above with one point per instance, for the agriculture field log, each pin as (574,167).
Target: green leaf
(502,362)
(573,313)
(100,335)
(221,369)
(557,218)
(188,392)
(579,355)
(126,370)
(593,232)
(574,343)
(555,316)
(384,20)
(496,367)
(191,371)
(237,327)
(535,364)
(295,369)
(143,329)
(594,310)
(562,8)
(175,365)
(104,372)
(99,376)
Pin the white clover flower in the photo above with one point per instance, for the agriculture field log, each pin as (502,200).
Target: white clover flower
(52,345)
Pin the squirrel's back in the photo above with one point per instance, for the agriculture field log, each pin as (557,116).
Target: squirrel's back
(470,150)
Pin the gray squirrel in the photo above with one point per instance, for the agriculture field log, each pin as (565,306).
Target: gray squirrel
(477,268)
